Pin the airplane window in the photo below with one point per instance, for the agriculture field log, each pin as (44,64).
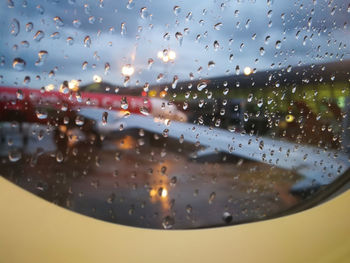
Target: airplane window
(174,114)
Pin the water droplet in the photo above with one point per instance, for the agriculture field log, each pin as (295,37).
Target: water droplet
(107,68)
(41,114)
(69,41)
(55,35)
(130,4)
(144,110)
(211,64)
(111,198)
(39,35)
(202,85)
(218,26)
(92,20)
(189,209)
(26,80)
(237,70)
(250,97)
(144,13)
(261,145)
(245,117)
(168,222)
(174,83)
(262,51)
(166,36)
(76,23)
(124,103)
(14,155)
(177,10)
(19,94)
(10,4)
(260,103)
(173,181)
(42,55)
(29,27)
(189,16)
(123,29)
(212,197)
(84,65)
(104,118)
(18,64)
(278,44)
(150,62)
(59,157)
(179,37)
(247,23)
(79,120)
(160,77)
(58,21)
(227,217)
(87,41)
(14,27)
(40,9)
(216,45)
(25,43)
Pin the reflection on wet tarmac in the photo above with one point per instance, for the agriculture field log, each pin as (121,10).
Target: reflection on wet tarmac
(140,180)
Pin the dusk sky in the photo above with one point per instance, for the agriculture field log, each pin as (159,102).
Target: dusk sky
(324,36)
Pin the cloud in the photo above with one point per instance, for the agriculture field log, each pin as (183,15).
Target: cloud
(308,33)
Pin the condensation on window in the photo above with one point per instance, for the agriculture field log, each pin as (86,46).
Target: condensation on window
(174,114)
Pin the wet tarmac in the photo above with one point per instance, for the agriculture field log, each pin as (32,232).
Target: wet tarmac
(141,180)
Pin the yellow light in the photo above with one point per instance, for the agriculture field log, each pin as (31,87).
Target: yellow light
(289,118)
(73,85)
(97,79)
(128,70)
(171,55)
(152,93)
(49,87)
(123,112)
(247,71)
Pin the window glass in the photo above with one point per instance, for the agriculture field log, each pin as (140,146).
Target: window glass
(175,114)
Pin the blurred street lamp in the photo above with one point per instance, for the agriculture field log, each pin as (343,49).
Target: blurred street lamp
(247,71)
(97,79)
(128,70)
(166,55)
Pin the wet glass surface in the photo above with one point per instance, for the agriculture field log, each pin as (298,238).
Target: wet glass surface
(173,115)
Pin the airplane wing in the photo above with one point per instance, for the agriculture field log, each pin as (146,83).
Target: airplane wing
(318,167)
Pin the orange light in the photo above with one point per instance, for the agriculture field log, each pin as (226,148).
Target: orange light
(152,193)
(162,94)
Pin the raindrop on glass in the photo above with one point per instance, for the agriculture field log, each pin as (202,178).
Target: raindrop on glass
(18,64)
